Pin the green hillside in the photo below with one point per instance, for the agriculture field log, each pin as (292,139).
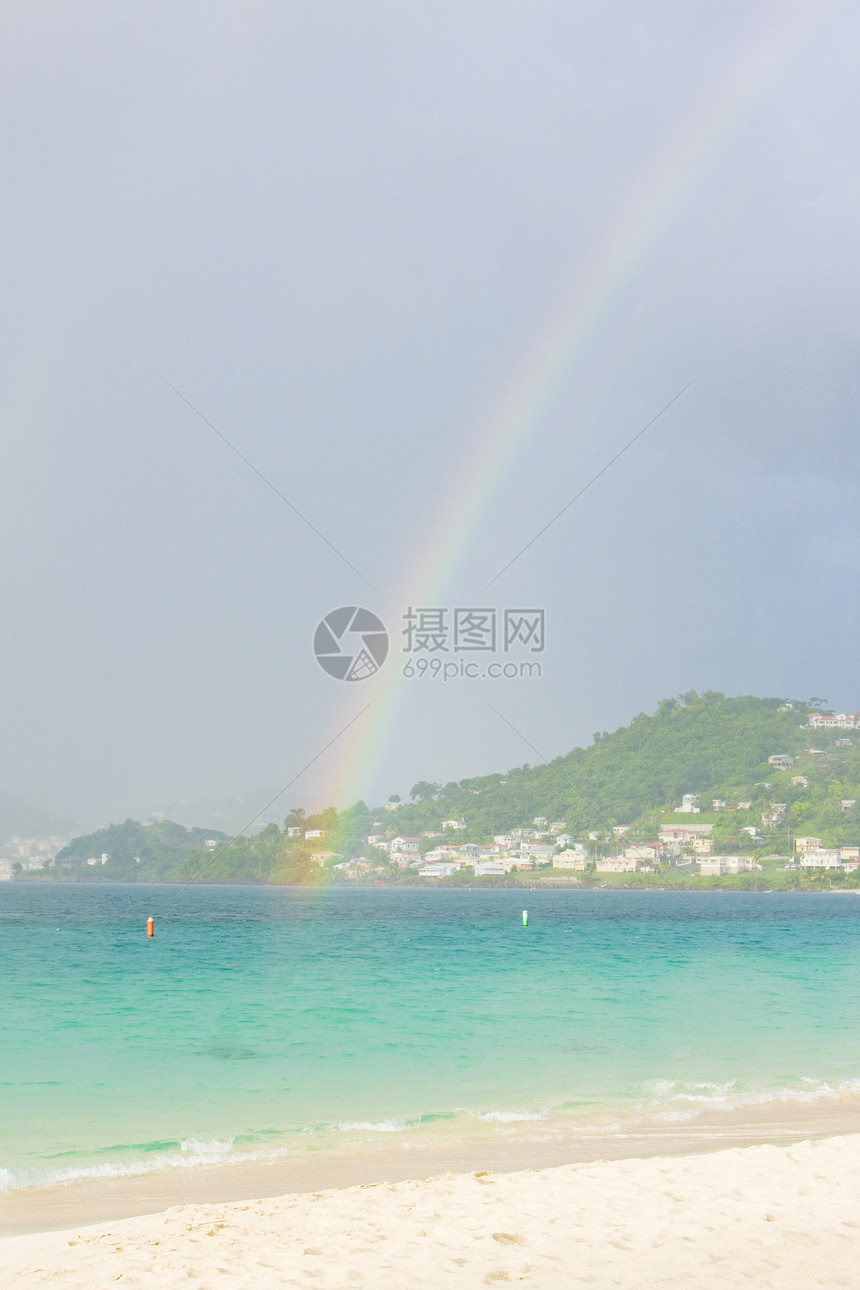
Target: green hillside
(136,851)
(706,744)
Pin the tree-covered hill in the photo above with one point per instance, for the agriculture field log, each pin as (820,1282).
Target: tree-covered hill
(136,851)
(707,744)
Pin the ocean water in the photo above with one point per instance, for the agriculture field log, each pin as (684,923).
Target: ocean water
(268,1021)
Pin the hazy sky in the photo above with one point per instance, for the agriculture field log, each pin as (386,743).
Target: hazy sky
(428,267)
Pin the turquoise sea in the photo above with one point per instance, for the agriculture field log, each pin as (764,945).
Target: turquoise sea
(269,1021)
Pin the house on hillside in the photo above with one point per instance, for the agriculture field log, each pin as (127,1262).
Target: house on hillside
(575,860)
(406,846)
(822,858)
(781,761)
(646,852)
(323,857)
(538,850)
(719,866)
(840,721)
(689,804)
(683,834)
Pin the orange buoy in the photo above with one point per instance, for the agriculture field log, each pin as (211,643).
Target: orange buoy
(150,926)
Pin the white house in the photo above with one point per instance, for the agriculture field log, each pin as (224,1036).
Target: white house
(807,844)
(315,833)
(683,833)
(717,866)
(488,866)
(618,864)
(841,721)
(440,855)
(538,850)
(406,846)
(438,871)
(781,761)
(323,857)
(822,859)
(690,804)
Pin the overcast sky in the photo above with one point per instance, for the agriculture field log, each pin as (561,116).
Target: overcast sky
(345,231)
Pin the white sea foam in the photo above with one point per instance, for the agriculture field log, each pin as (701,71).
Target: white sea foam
(377,1126)
(511,1117)
(675,1095)
(191,1155)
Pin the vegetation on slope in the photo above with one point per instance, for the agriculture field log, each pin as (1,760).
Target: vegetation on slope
(707,744)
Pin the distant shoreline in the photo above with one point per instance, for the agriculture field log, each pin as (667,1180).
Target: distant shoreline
(437,884)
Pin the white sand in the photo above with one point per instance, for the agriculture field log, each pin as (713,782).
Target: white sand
(753,1216)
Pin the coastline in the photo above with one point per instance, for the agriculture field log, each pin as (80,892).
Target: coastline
(781,1216)
(396,1158)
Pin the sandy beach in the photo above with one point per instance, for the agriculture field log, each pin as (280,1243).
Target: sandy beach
(768,1216)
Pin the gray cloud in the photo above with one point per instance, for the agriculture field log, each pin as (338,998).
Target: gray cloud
(338,229)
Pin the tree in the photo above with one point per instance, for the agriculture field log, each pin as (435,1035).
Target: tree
(424,791)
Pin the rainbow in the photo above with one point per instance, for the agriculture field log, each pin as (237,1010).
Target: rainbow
(653,205)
